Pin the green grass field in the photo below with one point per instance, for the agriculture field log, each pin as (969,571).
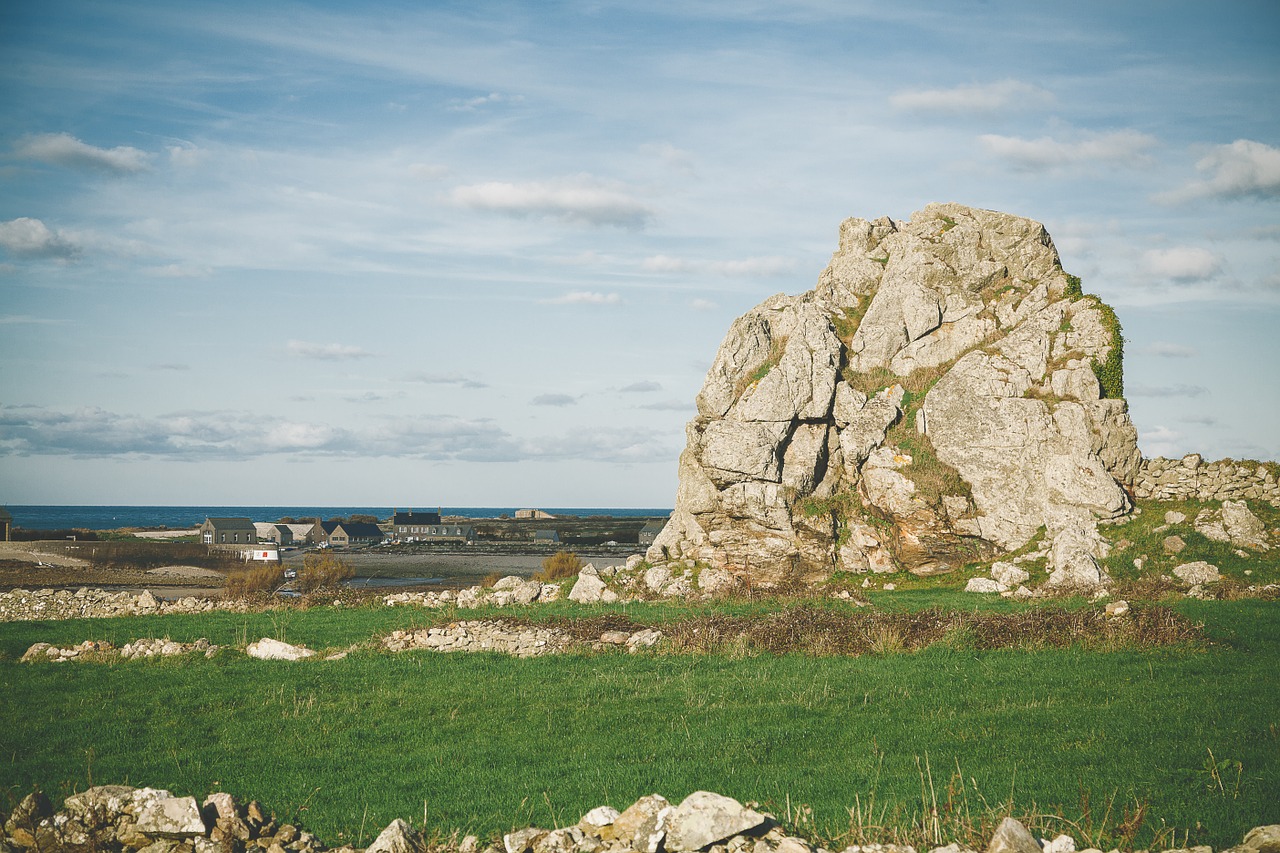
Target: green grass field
(1118,747)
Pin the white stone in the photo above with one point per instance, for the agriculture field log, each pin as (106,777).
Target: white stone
(705,818)
(1197,573)
(270,649)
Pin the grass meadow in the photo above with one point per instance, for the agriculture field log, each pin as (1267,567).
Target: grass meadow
(1123,747)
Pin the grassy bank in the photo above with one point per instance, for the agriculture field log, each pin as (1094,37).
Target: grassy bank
(1183,737)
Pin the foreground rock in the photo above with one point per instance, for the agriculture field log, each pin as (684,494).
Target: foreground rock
(806,441)
(112,818)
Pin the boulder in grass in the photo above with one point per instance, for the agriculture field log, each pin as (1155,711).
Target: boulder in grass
(269,649)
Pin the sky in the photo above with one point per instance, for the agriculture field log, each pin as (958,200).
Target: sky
(482,254)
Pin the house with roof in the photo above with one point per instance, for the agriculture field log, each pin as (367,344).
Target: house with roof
(650,532)
(228,531)
(277,533)
(344,534)
(546,537)
(409,524)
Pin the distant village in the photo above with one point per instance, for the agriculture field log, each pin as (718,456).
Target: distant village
(263,540)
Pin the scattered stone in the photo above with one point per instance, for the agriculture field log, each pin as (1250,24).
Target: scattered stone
(171,817)
(1012,837)
(1061,844)
(1174,517)
(704,818)
(984,585)
(588,589)
(1174,545)
(1263,839)
(1198,572)
(271,649)
(1009,575)
(1117,608)
(396,838)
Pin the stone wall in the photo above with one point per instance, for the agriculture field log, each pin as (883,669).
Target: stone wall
(1191,478)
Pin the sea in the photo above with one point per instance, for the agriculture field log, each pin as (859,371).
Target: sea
(187,517)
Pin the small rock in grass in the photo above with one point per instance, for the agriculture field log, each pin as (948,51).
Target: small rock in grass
(1012,837)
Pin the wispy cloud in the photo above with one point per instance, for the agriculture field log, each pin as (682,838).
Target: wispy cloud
(327,352)
(1160,441)
(27,320)
(672,157)
(456,379)
(1182,263)
(580,199)
(229,435)
(172,366)
(584,297)
(27,237)
(767,266)
(643,387)
(1164,349)
(179,271)
(985,98)
(1120,147)
(559,400)
(472,104)
(703,305)
(63,149)
(1176,390)
(1243,169)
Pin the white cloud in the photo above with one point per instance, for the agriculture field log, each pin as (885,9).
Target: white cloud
(32,238)
(1160,441)
(471,104)
(983,98)
(1182,263)
(762,267)
(767,266)
(326,352)
(666,264)
(671,156)
(585,297)
(63,149)
(703,305)
(1164,349)
(581,199)
(186,156)
(1120,147)
(1243,169)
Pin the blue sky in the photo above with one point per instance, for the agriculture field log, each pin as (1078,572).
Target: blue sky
(483,253)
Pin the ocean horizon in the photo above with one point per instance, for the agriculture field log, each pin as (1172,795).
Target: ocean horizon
(111,517)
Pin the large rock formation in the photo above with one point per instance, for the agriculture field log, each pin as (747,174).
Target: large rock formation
(943,393)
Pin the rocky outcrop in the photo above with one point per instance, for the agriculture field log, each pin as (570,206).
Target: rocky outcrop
(943,393)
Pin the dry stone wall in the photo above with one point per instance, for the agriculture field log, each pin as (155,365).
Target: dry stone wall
(1191,478)
(119,818)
